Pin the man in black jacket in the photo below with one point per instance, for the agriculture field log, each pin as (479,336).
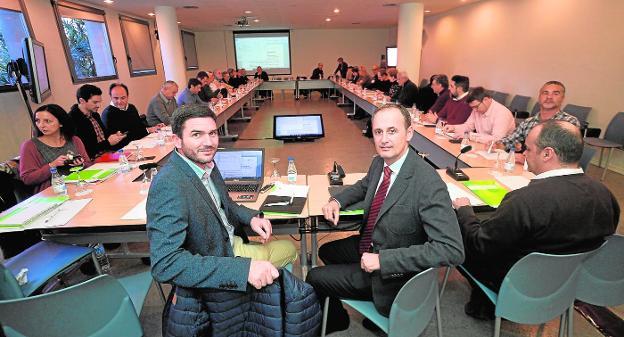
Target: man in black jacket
(89,126)
(408,94)
(124,117)
(342,68)
(561,211)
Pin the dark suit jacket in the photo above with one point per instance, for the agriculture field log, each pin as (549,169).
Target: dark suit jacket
(342,69)
(408,95)
(416,227)
(86,133)
(125,121)
(263,76)
(317,74)
(189,244)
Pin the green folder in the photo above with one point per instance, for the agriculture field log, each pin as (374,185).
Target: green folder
(487,190)
(28,211)
(90,175)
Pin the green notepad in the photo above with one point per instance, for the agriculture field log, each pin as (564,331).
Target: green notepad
(90,175)
(487,190)
(27,211)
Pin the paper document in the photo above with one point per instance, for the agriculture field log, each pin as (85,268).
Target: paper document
(61,215)
(290,190)
(145,143)
(487,190)
(137,212)
(513,182)
(502,155)
(28,211)
(457,192)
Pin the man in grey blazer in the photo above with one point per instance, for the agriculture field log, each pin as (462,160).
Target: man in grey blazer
(409,225)
(191,221)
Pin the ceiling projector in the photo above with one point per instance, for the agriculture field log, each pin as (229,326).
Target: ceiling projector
(243,21)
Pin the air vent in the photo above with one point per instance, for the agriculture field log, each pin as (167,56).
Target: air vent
(355,23)
(389,5)
(190,7)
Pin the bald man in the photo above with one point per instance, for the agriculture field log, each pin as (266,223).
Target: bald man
(162,106)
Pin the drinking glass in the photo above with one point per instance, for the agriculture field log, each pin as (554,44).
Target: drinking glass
(81,186)
(275,176)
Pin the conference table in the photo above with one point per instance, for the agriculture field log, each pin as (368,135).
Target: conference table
(296,85)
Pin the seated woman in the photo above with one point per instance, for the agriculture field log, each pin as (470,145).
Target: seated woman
(54,146)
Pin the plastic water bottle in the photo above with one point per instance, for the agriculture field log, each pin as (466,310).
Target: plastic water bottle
(58,182)
(510,164)
(124,165)
(292,170)
(439,128)
(161,137)
(465,141)
(102,259)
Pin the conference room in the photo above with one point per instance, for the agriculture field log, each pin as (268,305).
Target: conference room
(511,48)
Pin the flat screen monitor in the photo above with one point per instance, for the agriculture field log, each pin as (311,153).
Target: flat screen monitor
(240,164)
(391,56)
(34,55)
(298,127)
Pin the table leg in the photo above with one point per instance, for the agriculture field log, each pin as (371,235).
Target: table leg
(242,118)
(314,243)
(226,134)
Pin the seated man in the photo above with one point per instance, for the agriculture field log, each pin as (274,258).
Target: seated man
(196,240)
(456,110)
(409,225)
(317,74)
(490,119)
(242,74)
(550,100)
(426,96)
(407,94)
(161,106)
(124,117)
(206,94)
(545,216)
(440,85)
(190,95)
(89,127)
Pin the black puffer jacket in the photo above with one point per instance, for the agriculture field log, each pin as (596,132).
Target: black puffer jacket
(288,307)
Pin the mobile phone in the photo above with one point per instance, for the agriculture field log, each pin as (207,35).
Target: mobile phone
(455,141)
(266,187)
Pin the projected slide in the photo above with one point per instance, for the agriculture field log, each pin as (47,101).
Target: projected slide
(270,50)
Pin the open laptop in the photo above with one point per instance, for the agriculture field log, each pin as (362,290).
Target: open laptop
(243,172)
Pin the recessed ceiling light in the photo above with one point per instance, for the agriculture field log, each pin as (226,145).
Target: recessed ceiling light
(151,14)
(247,12)
(256,20)
(427,11)
(108,1)
(327,19)
(336,10)
(179,22)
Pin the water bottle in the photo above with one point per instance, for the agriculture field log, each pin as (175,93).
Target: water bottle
(124,165)
(58,182)
(439,128)
(161,137)
(292,170)
(465,141)
(510,164)
(102,259)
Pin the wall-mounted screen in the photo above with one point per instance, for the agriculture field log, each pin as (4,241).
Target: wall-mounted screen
(391,56)
(34,55)
(268,49)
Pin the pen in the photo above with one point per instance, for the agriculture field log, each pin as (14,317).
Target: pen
(490,148)
(52,214)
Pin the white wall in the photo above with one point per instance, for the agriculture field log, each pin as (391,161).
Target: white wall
(215,49)
(515,46)
(14,120)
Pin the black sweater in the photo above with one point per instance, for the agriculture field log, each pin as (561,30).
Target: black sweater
(125,121)
(86,133)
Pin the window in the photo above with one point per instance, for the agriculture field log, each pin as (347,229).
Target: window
(136,36)
(190,53)
(85,38)
(13,30)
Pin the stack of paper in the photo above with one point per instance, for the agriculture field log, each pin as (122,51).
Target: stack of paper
(457,192)
(487,190)
(90,175)
(30,210)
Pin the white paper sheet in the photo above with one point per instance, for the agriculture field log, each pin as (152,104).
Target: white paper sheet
(502,155)
(137,212)
(291,190)
(61,215)
(457,192)
(513,182)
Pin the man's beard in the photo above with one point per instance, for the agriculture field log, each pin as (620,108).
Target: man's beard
(192,155)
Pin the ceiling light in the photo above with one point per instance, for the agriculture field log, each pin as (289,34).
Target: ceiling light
(151,14)
(256,20)
(327,19)
(427,11)
(336,10)
(108,1)
(247,12)
(179,22)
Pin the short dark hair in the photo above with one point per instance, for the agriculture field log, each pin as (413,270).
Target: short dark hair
(567,144)
(555,83)
(67,125)
(87,91)
(186,112)
(192,82)
(406,115)
(462,82)
(441,79)
(202,74)
(118,84)
(477,94)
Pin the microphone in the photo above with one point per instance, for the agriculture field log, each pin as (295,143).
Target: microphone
(147,166)
(455,172)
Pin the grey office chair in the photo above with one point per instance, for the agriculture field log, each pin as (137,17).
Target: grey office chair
(519,105)
(588,154)
(613,139)
(536,109)
(500,97)
(578,111)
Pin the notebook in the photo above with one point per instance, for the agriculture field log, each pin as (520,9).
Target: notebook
(243,172)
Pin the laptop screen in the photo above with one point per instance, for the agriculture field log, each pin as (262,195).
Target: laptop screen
(240,164)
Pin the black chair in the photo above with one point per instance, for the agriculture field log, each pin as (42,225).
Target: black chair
(519,105)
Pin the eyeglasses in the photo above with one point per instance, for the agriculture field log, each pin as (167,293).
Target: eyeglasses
(476,106)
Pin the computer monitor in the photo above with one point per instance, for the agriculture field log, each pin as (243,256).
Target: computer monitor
(34,55)
(240,164)
(298,127)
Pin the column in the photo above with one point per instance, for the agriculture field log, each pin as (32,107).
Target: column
(409,38)
(171,45)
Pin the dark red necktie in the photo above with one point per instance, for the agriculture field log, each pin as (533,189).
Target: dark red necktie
(378,200)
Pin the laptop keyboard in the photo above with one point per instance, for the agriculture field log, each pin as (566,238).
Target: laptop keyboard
(243,187)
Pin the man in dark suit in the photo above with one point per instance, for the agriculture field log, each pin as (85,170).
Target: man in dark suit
(341,68)
(194,227)
(409,225)
(561,211)
(317,74)
(408,93)
(89,126)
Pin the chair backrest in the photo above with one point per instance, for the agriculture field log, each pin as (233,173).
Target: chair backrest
(413,306)
(578,111)
(97,307)
(615,130)
(539,287)
(9,288)
(500,97)
(423,83)
(601,277)
(519,103)
(586,157)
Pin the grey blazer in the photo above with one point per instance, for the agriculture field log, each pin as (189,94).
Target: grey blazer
(189,245)
(416,227)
